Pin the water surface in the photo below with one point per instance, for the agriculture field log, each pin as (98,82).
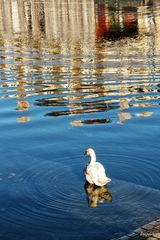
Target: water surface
(75,74)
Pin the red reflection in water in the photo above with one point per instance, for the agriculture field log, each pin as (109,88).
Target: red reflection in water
(116,22)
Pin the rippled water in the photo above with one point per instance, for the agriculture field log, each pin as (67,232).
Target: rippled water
(75,74)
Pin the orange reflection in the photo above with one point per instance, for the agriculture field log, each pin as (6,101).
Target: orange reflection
(22,105)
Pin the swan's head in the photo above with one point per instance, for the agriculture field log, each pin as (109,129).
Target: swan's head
(89,152)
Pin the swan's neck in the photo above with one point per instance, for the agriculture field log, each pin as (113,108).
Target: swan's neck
(92,157)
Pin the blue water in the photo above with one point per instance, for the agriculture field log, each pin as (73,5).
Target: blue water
(75,75)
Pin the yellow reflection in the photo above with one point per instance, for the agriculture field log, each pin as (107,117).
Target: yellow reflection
(96,194)
(76,123)
(144,114)
(23,119)
(124,116)
(124,103)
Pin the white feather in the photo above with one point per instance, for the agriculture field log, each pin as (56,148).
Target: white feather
(94,171)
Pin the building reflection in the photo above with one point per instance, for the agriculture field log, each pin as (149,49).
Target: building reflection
(70,21)
(89,68)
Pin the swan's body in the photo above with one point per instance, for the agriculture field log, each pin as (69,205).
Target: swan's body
(94,171)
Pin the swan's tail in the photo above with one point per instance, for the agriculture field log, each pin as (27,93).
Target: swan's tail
(102,182)
(108,180)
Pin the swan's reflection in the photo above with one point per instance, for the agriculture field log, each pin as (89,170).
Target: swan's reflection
(96,194)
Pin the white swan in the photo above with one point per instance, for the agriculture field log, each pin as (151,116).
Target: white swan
(94,171)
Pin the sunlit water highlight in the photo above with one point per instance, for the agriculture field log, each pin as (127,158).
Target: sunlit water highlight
(74,75)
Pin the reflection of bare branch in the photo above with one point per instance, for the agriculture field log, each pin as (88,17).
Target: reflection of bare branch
(77,111)
(89,122)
